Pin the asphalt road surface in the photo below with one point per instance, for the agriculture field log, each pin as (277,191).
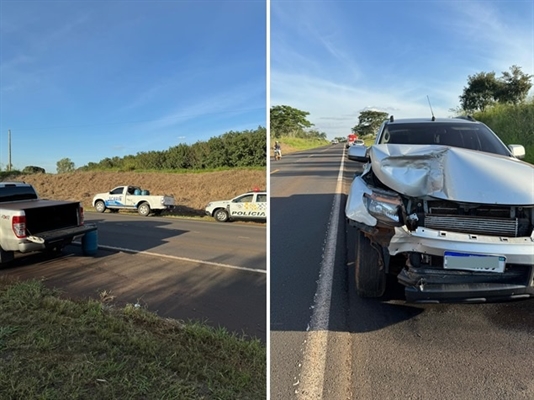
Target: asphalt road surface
(373,349)
(183,269)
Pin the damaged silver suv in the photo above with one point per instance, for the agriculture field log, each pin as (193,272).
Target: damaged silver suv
(445,206)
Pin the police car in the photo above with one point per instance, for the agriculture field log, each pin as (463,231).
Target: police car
(247,206)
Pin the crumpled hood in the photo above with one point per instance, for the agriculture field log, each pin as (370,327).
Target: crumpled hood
(452,173)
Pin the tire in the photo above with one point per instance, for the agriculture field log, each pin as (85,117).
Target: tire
(221,215)
(100,206)
(370,275)
(144,209)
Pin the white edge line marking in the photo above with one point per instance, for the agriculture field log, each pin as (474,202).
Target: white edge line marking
(314,362)
(182,259)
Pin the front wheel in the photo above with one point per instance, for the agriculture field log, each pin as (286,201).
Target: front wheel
(100,206)
(370,274)
(221,215)
(144,209)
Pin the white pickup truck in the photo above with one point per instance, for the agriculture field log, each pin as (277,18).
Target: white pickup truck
(29,224)
(247,206)
(132,198)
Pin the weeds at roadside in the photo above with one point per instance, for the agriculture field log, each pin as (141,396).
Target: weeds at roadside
(52,348)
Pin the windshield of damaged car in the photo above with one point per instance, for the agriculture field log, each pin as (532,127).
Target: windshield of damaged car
(468,136)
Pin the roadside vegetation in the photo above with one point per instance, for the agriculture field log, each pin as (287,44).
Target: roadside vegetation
(513,123)
(55,348)
(292,144)
(291,128)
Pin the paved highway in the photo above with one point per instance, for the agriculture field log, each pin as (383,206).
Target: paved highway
(183,269)
(326,343)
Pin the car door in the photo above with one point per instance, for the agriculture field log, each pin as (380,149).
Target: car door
(241,206)
(115,197)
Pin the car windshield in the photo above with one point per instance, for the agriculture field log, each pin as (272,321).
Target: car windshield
(469,136)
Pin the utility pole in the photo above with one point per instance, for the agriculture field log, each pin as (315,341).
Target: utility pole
(9,150)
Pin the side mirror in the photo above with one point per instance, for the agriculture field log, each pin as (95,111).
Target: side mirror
(517,150)
(358,153)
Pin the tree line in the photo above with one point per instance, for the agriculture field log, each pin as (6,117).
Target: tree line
(483,90)
(233,149)
(288,121)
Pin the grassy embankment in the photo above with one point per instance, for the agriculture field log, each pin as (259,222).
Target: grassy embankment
(191,191)
(53,348)
(513,124)
(292,144)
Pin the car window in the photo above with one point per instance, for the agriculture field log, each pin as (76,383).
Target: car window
(262,198)
(244,199)
(117,190)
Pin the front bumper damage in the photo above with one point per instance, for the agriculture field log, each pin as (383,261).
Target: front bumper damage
(433,283)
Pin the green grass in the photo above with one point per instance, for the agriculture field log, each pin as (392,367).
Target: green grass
(54,348)
(176,171)
(290,144)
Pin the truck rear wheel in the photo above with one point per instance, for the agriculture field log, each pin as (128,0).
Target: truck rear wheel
(100,206)
(143,209)
(369,271)
(221,215)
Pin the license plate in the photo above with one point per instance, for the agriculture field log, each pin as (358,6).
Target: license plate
(474,262)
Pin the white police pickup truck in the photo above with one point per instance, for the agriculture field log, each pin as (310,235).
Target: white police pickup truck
(247,206)
(132,198)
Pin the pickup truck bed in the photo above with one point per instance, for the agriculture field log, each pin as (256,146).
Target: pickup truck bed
(43,215)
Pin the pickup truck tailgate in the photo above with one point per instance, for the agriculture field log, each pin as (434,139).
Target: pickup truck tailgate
(47,215)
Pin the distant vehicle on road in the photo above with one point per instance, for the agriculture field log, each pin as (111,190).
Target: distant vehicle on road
(132,198)
(350,139)
(358,142)
(247,206)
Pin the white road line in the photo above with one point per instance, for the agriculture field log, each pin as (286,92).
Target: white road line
(182,259)
(312,372)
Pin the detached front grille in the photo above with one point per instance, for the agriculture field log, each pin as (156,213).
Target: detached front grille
(508,227)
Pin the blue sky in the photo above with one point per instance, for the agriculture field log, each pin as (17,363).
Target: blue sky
(94,79)
(335,59)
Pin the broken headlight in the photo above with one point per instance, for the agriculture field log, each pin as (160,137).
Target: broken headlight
(385,207)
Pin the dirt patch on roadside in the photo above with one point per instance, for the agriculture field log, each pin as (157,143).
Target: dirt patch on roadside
(191,191)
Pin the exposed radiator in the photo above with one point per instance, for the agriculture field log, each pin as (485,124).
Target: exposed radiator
(507,227)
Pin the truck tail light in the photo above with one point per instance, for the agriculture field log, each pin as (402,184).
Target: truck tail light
(19,226)
(80,215)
